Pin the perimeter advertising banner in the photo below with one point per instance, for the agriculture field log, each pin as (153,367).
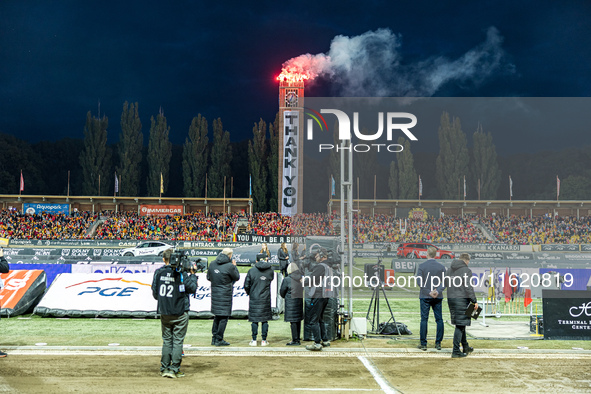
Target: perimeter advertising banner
(161,210)
(567,314)
(127,295)
(35,209)
(22,289)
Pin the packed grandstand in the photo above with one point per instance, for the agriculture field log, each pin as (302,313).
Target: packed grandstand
(198,226)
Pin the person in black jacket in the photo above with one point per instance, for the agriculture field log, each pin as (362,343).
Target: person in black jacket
(292,291)
(4,269)
(283,257)
(258,287)
(318,302)
(172,289)
(222,273)
(459,295)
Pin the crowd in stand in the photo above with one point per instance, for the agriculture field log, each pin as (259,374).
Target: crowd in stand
(190,227)
(522,230)
(198,226)
(14,224)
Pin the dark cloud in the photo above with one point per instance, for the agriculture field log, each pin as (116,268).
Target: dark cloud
(59,58)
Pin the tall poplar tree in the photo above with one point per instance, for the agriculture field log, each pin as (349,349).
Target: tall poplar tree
(408,183)
(452,163)
(257,164)
(273,163)
(393,181)
(131,141)
(485,166)
(334,160)
(221,156)
(96,157)
(195,158)
(159,154)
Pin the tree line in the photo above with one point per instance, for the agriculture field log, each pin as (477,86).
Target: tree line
(203,167)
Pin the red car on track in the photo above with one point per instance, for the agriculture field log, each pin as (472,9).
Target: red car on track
(418,250)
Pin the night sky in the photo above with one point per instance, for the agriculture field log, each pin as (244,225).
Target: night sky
(58,59)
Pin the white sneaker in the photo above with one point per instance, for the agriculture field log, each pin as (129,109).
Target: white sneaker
(264,343)
(254,343)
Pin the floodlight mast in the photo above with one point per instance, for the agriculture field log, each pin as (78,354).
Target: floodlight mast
(347,191)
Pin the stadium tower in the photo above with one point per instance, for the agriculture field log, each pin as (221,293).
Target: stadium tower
(291,143)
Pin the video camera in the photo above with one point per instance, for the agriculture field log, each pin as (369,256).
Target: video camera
(181,262)
(333,259)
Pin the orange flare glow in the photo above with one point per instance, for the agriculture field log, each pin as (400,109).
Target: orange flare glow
(287,76)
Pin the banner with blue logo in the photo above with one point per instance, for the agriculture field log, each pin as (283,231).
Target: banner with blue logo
(33,209)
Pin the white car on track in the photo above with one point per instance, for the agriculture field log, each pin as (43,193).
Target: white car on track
(147,248)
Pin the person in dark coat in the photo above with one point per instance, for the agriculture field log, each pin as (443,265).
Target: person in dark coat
(283,256)
(4,269)
(459,295)
(222,273)
(258,287)
(431,274)
(292,291)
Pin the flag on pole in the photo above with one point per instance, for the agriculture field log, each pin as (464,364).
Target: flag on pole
(333,185)
(249,185)
(464,187)
(420,187)
(161,184)
(557,187)
(22,185)
(527,299)
(510,187)
(507,291)
(116,183)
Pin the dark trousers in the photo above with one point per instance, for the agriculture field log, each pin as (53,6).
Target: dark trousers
(296,330)
(426,305)
(174,329)
(317,307)
(218,328)
(255,330)
(459,337)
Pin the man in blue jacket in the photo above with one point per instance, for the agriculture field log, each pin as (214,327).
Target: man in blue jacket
(430,276)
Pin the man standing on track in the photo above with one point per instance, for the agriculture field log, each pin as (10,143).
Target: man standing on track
(171,288)
(3,270)
(431,274)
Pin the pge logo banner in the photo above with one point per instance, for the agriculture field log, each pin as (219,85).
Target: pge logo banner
(36,209)
(125,293)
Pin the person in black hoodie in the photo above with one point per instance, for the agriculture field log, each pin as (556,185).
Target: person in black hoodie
(172,289)
(222,273)
(459,295)
(292,291)
(258,287)
(4,269)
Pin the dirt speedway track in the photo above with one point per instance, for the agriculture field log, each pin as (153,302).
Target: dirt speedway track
(242,370)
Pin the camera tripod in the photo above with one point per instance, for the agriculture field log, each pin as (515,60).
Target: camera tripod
(376,327)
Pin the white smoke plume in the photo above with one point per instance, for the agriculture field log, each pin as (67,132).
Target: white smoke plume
(371,65)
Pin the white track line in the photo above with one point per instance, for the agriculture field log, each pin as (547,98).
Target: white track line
(333,389)
(377,375)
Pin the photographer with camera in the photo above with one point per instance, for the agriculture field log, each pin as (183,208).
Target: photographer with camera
(171,286)
(4,269)
(222,274)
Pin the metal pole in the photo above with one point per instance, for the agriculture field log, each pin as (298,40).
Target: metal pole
(342,203)
(350,220)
